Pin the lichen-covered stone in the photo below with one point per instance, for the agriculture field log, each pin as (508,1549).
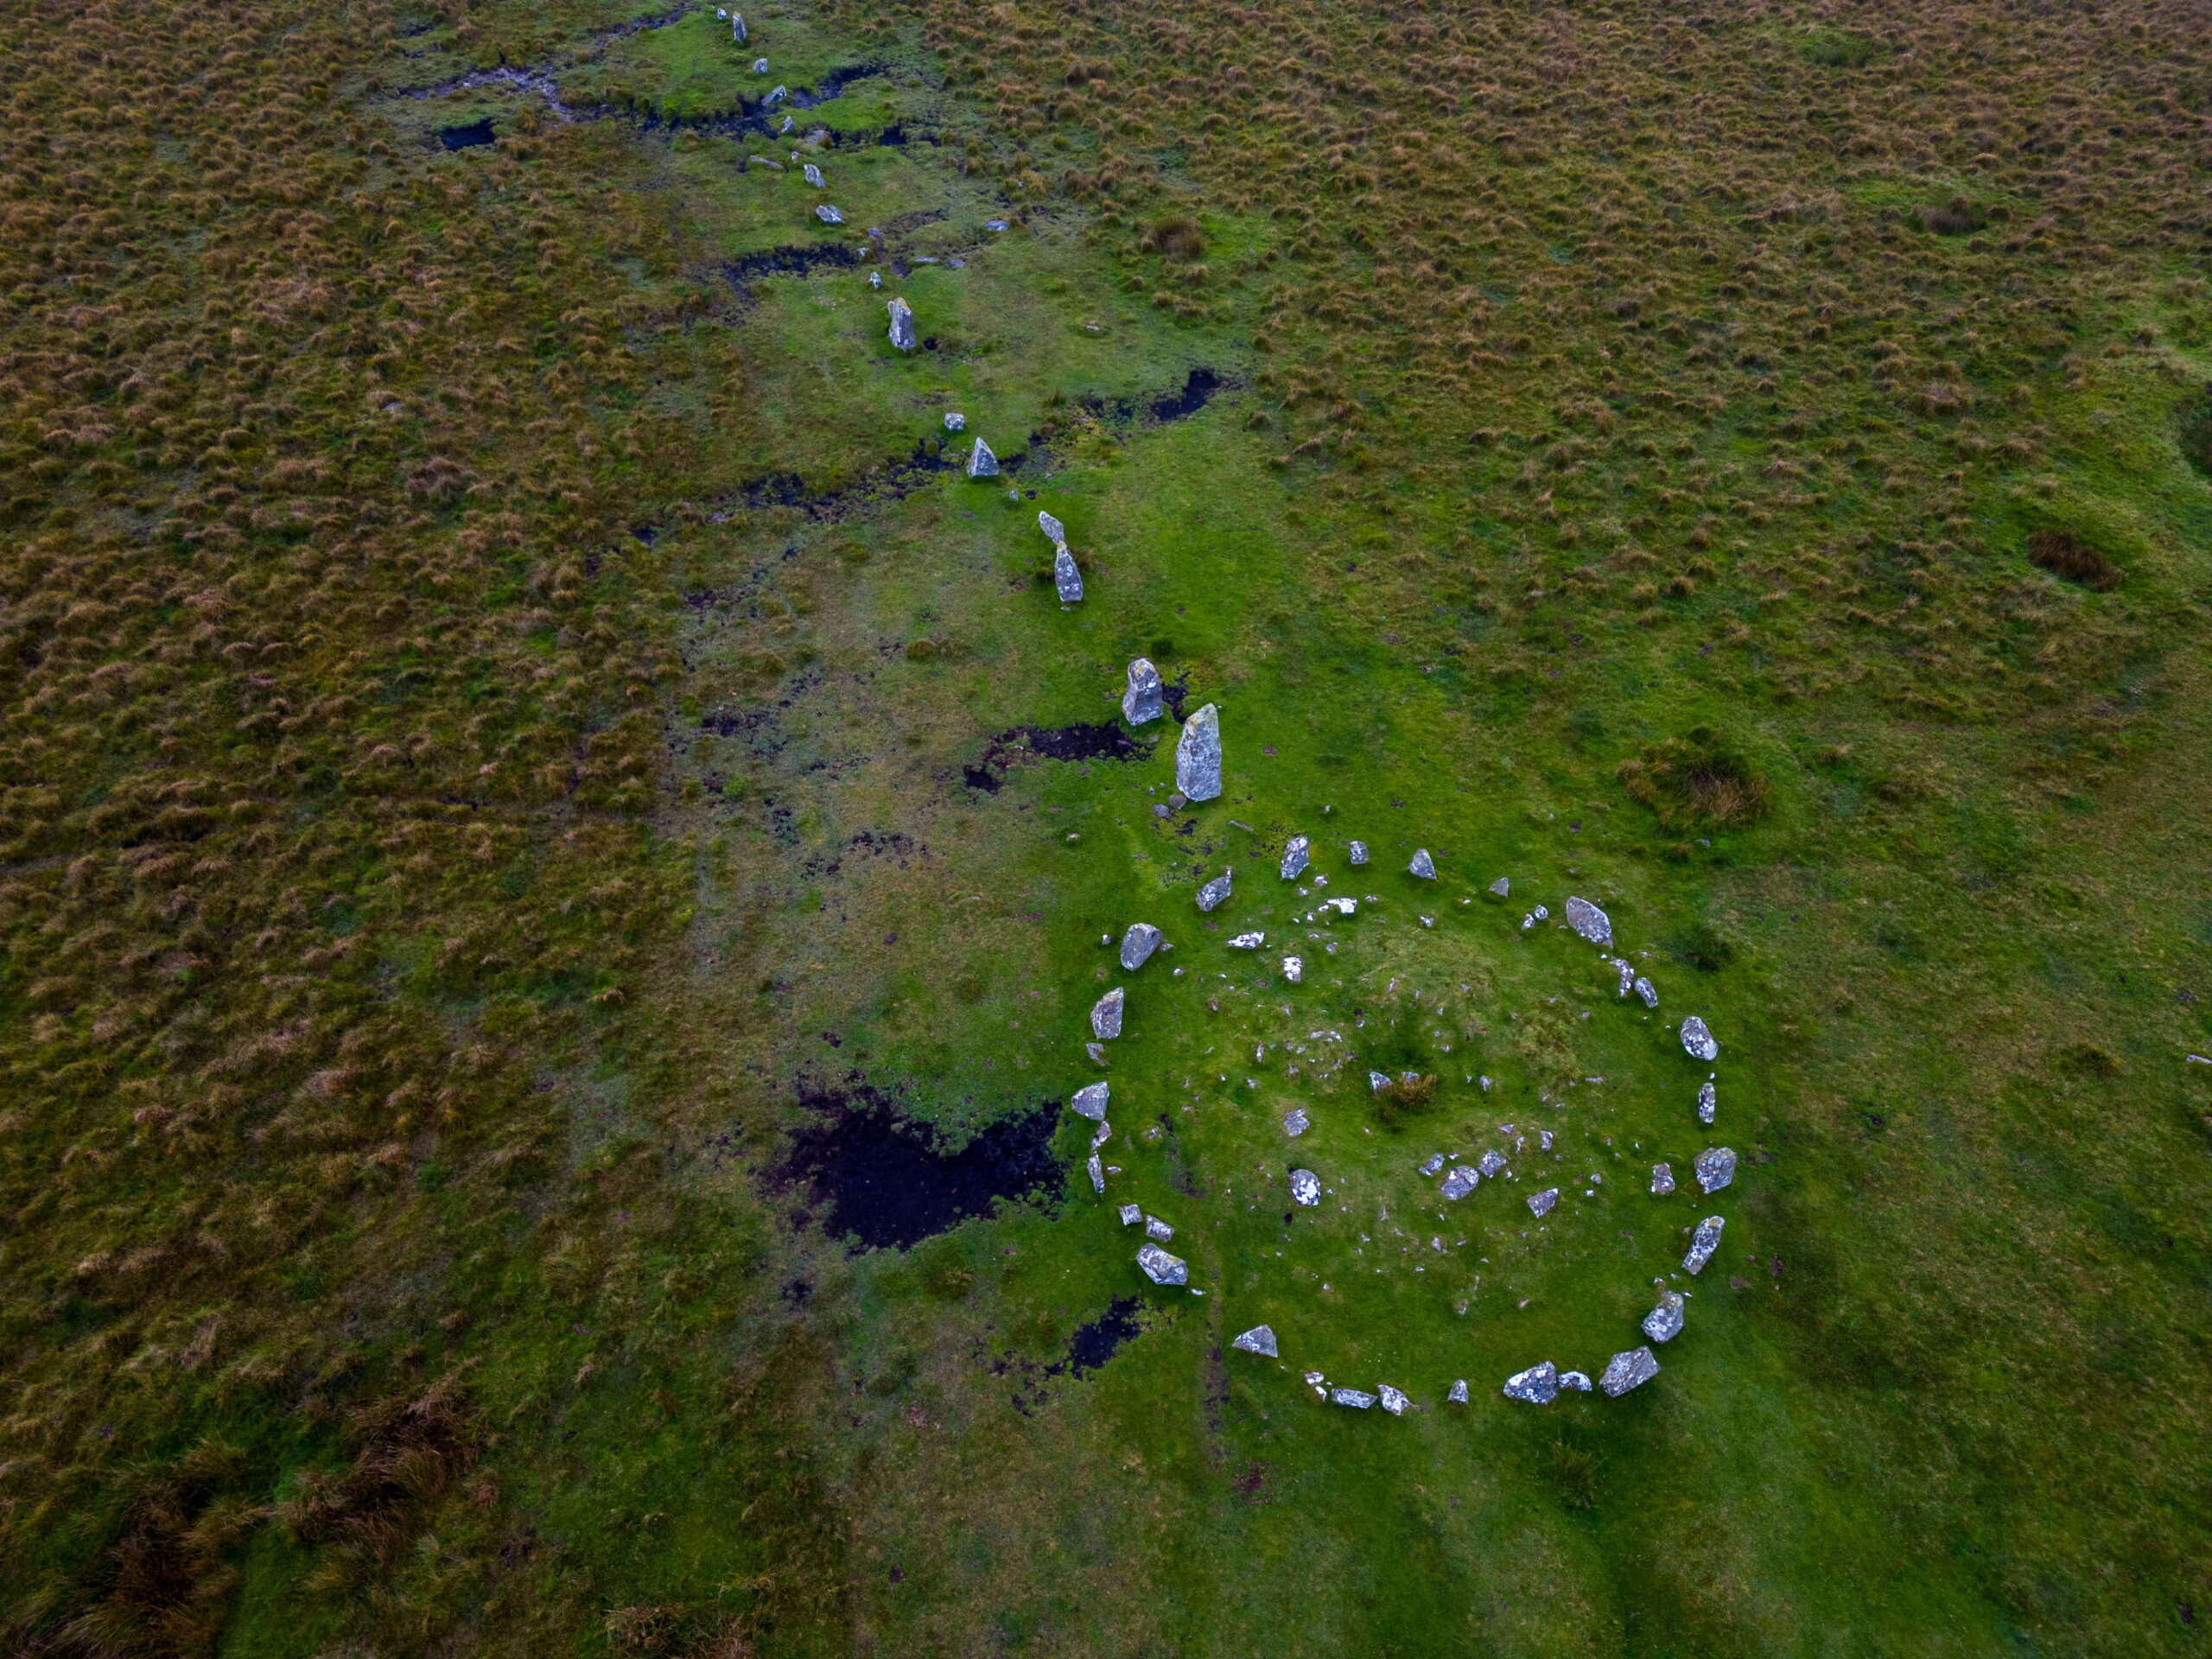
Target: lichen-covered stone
(813,175)
(1055,531)
(1537,1386)
(1492,1163)
(1716,1168)
(1703,1244)
(1247,941)
(1359,851)
(1198,755)
(1458,1397)
(1089,1102)
(1697,1040)
(1137,944)
(1352,1397)
(1214,890)
(1142,702)
(981,463)
(1305,1188)
(1462,1180)
(1157,1230)
(1293,969)
(1503,886)
(1098,1173)
(1423,866)
(1106,1015)
(1708,1102)
(1591,923)
(1576,1380)
(1630,1371)
(1258,1340)
(1294,858)
(1645,989)
(1435,1162)
(1161,1268)
(1132,1214)
(1066,578)
(1664,1322)
(1394,1402)
(828,215)
(1295,1122)
(1662,1180)
(1540,1203)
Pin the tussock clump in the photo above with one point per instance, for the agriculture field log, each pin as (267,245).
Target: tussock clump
(2065,554)
(1176,236)
(1697,782)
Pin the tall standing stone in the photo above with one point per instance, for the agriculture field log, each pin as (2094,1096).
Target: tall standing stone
(1066,578)
(981,463)
(1142,701)
(1106,1015)
(902,329)
(737,28)
(1198,755)
(1423,866)
(1137,944)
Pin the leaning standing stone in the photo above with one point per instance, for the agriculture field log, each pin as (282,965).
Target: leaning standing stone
(1664,1322)
(1537,1386)
(1703,1244)
(1106,1015)
(814,176)
(1198,755)
(1305,1188)
(1591,923)
(902,324)
(1091,1101)
(1161,1268)
(1293,858)
(1055,531)
(1066,578)
(1137,944)
(1697,1041)
(1214,890)
(1629,1370)
(981,463)
(1716,1167)
(1258,1340)
(1423,866)
(1141,701)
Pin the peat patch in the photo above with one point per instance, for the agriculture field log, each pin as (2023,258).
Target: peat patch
(1199,389)
(892,481)
(1093,1345)
(476,132)
(1103,742)
(788,262)
(876,1174)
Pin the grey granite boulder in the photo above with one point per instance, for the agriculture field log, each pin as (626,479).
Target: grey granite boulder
(1055,531)
(1591,923)
(1141,702)
(759,65)
(1295,1122)
(1537,1386)
(1394,1402)
(1630,1371)
(776,96)
(1131,1214)
(1458,1397)
(1423,866)
(1161,1268)
(1359,851)
(1137,944)
(1627,973)
(1664,1322)
(1214,890)
(1662,1180)
(1697,1040)
(1294,858)
(1258,1340)
(1703,1244)
(1708,1102)
(1492,1163)
(1540,1203)
(1066,578)
(1158,1230)
(1106,1015)
(981,463)
(1716,1167)
(1305,1188)
(1460,1182)
(1502,887)
(1351,1397)
(1198,755)
(1091,1101)
(814,176)
(954,420)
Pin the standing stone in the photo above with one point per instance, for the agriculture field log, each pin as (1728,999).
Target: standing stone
(1707,1100)
(1295,1122)
(1664,1322)
(1293,858)
(1540,1203)
(1098,1173)
(1352,1397)
(1697,1041)
(1492,1163)
(981,463)
(1066,578)
(1055,531)
(1141,702)
(1293,969)
(828,215)
(776,96)
(1716,1167)
(1161,1268)
(737,28)
(1630,1371)
(1137,944)
(1091,1101)
(1591,923)
(1423,866)
(954,420)
(1214,890)
(902,324)
(1258,1340)
(1158,1230)
(1501,887)
(1106,1015)
(1394,1399)
(814,176)
(1537,1386)
(1703,1244)
(1198,755)
(759,65)
(1458,1394)
(1305,1188)
(1461,1181)
(1358,853)
(1627,973)
(1644,988)
(1131,1214)
(1662,1180)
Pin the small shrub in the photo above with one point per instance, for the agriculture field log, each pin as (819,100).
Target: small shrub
(1697,781)
(2067,556)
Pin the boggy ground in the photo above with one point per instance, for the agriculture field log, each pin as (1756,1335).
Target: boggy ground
(530,790)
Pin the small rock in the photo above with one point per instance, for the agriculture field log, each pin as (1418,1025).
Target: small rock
(1137,944)
(1294,858)
(1393,1401)
(1708,1102)
(876,280)
(1697,1041)
(1055,531)
(1492,1164)
(1575,1380)
(1089,1102)
(1540,914)
(1098,1173)
(1716,1167)
(954,420)
(1537,1386)
(1295,1122)
(995,224)
(759,65)
(1541,1204)
(1644,988)
(828,215)
(981,463)
(1247,941)
(1214,890)
(1462,1180)
(1141,702)
(1501,887)
(1435,1162)
(1703,1244)
(1106,1015)
(1664,1322)
(1627,973)
(1629,1370)
(1101,1134)
(1198,755)
(1305,1188)
(1662,1180)
(1458,1397)
(1155,1227)
(1095,1052)
(814,176)
(1258,1340)
(1351,1397)
(1423,866)
(1161,1268)
(1591,923)
(1178,801)
(1066,578)
(902,323)
(1293,969)
(1131,1214)
(1359,851)
(1378,1082)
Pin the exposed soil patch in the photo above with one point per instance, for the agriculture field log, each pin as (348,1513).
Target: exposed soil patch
(876,1175)
(2066,555)
(1103,742)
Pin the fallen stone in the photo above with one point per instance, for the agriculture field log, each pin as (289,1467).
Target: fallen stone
(1141,702)
(1502,887)
(1295,1122)
(1630,1371)
(1095,1051)
(1066,578)
(1540,1203)
(1214,890)
(1155,1227)
(1137,944)
(1591,923)
(981,463)
(1644,988)
(1458,1397)
(1055,531)
(1537,1386)
(1305,1188)
(1359,851)
(954,420)
(1293,969)
(828,215)
(1393,1401)
(1575,1380)
(814,176)
(1106,1015)
(1492,1163)
(902,323)
(1131,1214)
(1662,1180)
(1161,1268)
(1697,1041)
(1258,1340)
(1198,755)
(1423,866)
(1101,1134)
(1435,1162)
(1098,1173)
(1462,1180)
(1089,1102)
(1294,858)
(787,127)
(1708,1102)
(1351,1397)
(1247,941)
(1664,1322)
(1703,1244)
(1716,1167)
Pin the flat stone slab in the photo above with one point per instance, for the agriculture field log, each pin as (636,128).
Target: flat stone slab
(1697,1042)
(1664,1322)
(1630,1371)
(1591,923)
(1305,1188)
(1716,1168)
(1461,1181)
(1214,892)
(1537,1386)
(1294,858)
(1258,1340)
(1161,1268)
(1352,1397)
(1137,944)
(1089,1100)
(1703,1244)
